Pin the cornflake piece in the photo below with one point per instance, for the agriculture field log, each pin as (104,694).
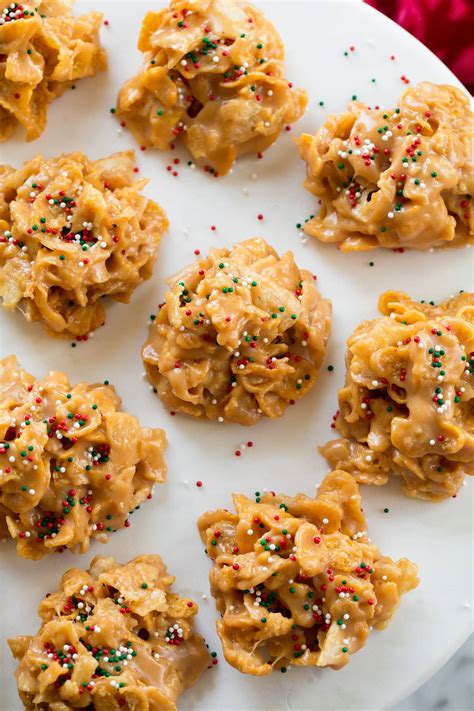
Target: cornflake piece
(299,591)
(43,50)
(213,74)
(242,333)
(396,178)
(112,636)
(71,232)
(74,467)
(416,422)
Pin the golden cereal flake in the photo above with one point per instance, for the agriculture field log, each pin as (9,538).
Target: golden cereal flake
(297,580)
(407,407)
(242,333)
(394,178)
(72,466)
(112,636)
(213,75)
(71,232)
(43,50)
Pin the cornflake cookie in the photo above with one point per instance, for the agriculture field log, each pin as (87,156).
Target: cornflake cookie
(72,231)
(72,467)
(213,74)
(407,405)
(242,333)
(43,50)
(394,178)
(297,580)
(112,636)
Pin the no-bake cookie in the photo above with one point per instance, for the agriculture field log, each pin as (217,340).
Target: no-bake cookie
(112,636)
(43,50)
(213,76)
(407,407)
(400,177)
(72,466)
(71,232)
(241,334)
(297,580)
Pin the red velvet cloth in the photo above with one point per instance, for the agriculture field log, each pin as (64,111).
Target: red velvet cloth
(445,26)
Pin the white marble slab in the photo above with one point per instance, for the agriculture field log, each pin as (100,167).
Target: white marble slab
(451,689)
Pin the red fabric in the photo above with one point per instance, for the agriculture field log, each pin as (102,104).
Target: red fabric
(445,26)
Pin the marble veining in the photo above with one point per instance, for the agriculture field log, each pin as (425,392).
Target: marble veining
(451,689)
